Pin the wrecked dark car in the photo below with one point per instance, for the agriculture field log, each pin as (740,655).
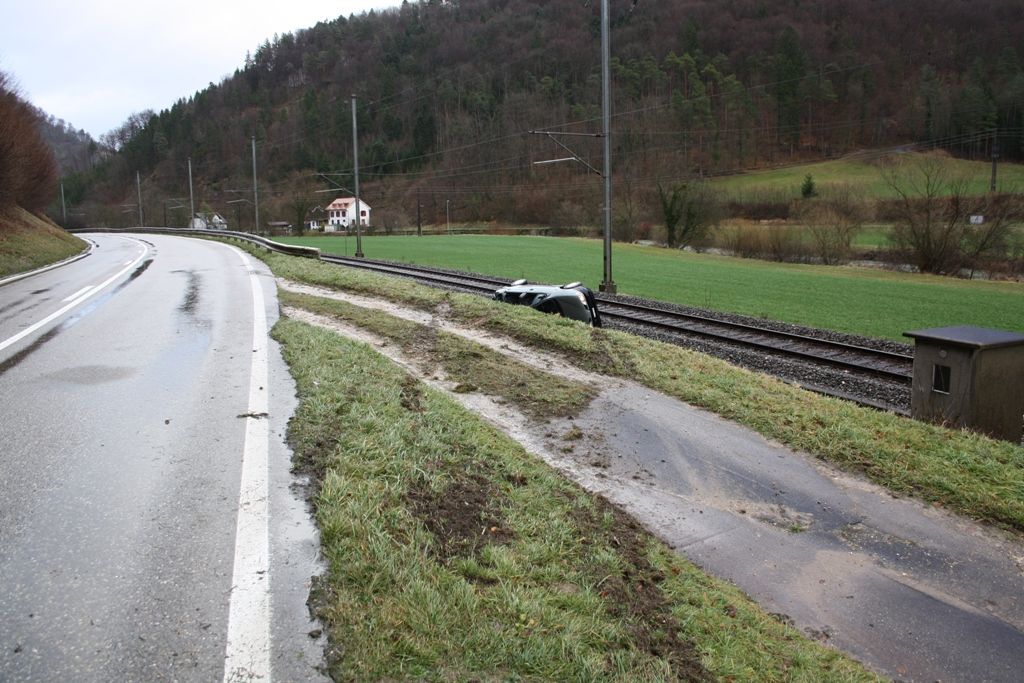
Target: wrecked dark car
(570,301)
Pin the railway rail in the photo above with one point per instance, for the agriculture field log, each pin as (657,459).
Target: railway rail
(848,361)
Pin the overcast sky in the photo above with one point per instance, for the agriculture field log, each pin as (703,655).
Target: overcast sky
(94,62)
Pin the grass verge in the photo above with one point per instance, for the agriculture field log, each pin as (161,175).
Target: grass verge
(965,472)
(471,366)
(28,242)
(454,555)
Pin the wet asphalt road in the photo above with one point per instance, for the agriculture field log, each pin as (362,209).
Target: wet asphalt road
(122,433)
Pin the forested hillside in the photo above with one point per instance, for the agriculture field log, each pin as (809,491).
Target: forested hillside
(74,149)
(448,92)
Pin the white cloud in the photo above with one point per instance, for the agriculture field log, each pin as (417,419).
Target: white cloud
(94,63)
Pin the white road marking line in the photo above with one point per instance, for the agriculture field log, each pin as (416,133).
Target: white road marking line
(77,294)
(56,314)
(247,654)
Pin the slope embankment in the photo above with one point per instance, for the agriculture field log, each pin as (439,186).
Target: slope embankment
(28,241)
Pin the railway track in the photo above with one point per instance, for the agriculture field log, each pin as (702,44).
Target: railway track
(846,362)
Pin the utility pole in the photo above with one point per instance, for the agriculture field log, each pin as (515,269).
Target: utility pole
(355,159)
(448,214)
(255,194)
(63,208)
(419,218)
(238,210)
(607,285)
(191,201)
(995,159)
(138,187)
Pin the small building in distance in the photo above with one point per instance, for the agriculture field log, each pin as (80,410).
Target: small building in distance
(208,221)
(316,219)
(341,214)
(279,227)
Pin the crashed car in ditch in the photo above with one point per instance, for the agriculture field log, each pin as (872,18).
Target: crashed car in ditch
(571,301)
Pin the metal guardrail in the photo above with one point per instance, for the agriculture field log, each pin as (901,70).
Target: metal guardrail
(290,249)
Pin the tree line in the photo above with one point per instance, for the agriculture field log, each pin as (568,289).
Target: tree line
(28,169)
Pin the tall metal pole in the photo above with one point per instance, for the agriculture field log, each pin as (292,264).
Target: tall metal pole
(608,284)
(255,194)
(419,217)
(355,159)
(191,202)
(138,187)
(995,160)
(63,208)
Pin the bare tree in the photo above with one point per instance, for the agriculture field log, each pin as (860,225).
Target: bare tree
(940,223)
(832,223)
(932,215)
(990,234)
(117,138)
(300,202)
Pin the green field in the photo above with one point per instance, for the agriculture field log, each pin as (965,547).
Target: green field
(873,237)
(863,301)
(863,175)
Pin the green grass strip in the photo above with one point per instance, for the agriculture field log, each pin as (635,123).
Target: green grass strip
(864,177)
(473,367)
(455,555)
(968,473)
(28,242)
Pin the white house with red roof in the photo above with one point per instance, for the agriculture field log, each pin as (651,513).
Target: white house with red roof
(341,213)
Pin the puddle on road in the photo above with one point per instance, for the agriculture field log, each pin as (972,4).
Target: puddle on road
(92,374)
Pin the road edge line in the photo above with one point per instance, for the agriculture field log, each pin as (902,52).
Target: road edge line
(247,651)
(81,299)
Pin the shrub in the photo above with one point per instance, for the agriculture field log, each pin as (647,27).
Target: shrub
(770,241)
(832,222)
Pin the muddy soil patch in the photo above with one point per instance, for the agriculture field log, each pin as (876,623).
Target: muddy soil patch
(632,590)
(463,518)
